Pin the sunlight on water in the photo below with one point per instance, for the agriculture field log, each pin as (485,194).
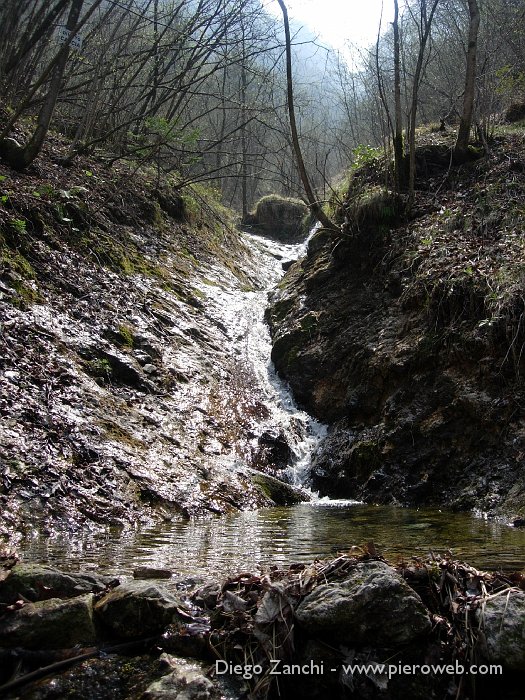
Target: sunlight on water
(218,546)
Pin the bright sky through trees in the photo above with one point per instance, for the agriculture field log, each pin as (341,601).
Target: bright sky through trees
(339,21)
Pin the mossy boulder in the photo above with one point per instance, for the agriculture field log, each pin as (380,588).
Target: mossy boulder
(138,609)
(50,624)
(36,581)
(373,606)
(282,218)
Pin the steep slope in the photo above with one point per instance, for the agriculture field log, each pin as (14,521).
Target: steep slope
(407,334)
(120,400)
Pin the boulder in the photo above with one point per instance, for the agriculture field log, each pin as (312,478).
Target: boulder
(278,491)
(503,622)
(279,217)
(138,609)
(50,624)
(37,582)
(373,606)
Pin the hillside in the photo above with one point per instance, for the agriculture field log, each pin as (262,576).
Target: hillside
(406,332)
(121,402)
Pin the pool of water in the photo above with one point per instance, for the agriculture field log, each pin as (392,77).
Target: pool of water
(218,546)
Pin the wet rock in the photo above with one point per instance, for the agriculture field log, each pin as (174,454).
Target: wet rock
(208,595)
(186,682)
(146,572)
(275,450)
(503,623)
(50,624)
(137,609)
(114,367)
(37,582)
(280,493)
(373,606)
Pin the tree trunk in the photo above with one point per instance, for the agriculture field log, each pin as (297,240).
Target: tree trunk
(426,25)
(399,159)
(461,147)
(313,202)
(20,157)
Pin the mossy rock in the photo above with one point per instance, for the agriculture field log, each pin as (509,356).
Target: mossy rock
(282,218)
(279,492)
(50,624)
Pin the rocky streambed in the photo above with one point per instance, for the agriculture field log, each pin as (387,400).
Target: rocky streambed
(134,358)
(351,627)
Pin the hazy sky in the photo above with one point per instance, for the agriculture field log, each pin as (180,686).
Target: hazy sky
(337,21)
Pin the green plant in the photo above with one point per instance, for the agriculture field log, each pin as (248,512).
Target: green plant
(363,155)
(127,335)
(100,368)
(19,225)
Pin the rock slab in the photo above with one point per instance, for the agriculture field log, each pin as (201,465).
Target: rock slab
(137,609)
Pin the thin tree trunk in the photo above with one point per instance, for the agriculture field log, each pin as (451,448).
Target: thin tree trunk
(313,202)
(461,147)
(20,157)
(399,160)
(426,25)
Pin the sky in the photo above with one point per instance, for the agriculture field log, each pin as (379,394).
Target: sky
(339,21)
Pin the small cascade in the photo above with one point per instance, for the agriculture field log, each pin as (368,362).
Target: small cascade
(242,313)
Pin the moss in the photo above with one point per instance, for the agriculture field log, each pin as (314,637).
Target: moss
(280,309)
(309,322)
(126,335)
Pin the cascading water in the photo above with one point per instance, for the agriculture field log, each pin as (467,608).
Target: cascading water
(243,315)
(246,540)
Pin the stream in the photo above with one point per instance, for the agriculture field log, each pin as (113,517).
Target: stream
(215,546)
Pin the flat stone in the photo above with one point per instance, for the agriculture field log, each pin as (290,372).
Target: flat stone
(147,572)
(37,582)
(50,624)
(186,682)
(373,606)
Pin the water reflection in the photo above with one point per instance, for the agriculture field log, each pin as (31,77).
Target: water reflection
(243,541)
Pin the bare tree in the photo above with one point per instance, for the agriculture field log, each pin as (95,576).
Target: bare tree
(315,206)
(20,157)
(461,147)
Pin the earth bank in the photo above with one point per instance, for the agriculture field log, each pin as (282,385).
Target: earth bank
(405,332)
